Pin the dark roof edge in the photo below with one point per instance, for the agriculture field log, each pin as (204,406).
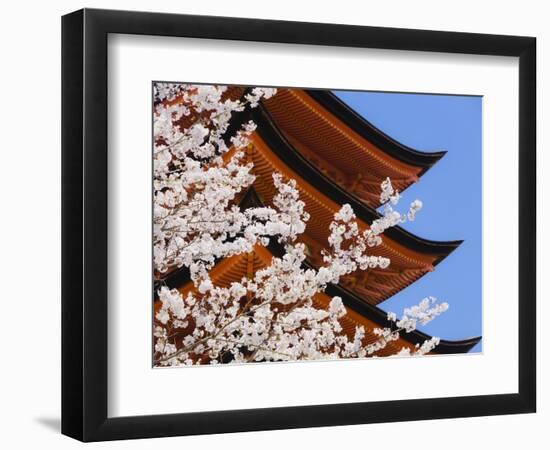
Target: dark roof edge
(379,316)
(269,132)
(374,313)
(367,130)
(371,312)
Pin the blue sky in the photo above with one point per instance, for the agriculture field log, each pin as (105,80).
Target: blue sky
(450,192)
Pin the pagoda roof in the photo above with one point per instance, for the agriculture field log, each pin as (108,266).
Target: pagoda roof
(366,129)
(269,132)
(380,317)
(411,256)
(271,135)
(347,148)
(322,171)
(359,313)
(373,285)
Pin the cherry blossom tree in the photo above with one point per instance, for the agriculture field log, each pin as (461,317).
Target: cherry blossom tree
(199,173)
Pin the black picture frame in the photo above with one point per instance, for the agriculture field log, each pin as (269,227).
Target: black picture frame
(84,224)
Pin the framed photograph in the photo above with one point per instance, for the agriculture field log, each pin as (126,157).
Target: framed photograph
(273,224)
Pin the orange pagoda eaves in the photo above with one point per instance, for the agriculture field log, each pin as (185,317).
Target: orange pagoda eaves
(358,313)
(343,145)
(411,256)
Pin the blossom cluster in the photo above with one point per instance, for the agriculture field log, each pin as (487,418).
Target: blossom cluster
(274,315)
(197,179)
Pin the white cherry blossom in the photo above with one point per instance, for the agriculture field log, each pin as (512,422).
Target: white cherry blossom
(199,174)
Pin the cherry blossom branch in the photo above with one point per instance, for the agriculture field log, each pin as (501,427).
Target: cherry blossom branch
(197,223)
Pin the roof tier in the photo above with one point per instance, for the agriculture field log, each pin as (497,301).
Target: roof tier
(411,257)
(344,146)
(358,313)
(276,150)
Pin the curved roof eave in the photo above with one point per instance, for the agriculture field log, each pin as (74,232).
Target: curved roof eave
(352,301)
(269,132)
(376,314)
(368,131)
(379,317)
